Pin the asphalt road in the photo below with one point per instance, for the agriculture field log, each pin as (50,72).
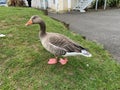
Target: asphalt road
(102,27)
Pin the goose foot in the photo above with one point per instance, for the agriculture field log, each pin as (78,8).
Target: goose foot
(63,61)
(52,61)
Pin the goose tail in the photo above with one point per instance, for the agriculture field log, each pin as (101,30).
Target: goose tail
(86,53)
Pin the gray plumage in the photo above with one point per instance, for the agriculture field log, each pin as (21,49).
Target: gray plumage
(57,44)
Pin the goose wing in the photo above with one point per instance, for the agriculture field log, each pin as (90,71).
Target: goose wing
(62,44)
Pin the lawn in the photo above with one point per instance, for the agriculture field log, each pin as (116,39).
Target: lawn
(23,60)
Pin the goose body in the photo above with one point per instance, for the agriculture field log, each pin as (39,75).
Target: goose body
(60,45)
(56,43)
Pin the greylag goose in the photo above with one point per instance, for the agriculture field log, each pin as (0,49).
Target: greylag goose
(57,44)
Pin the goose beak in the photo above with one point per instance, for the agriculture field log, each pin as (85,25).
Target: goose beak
(29,23)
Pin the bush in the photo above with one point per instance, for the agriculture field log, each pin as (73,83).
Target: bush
(16,3)
(110,3)
(114,3)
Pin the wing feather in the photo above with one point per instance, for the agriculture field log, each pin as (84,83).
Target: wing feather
(64,43)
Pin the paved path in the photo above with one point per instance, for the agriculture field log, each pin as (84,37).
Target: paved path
(102,27)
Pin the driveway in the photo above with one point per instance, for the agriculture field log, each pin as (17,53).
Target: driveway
(101,26)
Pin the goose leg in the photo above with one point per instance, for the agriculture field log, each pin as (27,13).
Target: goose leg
(63,61)
(52,61)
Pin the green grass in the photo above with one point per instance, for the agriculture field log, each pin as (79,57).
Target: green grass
(23,60)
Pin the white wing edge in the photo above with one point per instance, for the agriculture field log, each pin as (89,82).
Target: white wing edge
(83,53)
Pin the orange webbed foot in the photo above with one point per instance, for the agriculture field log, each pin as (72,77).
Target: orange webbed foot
(52,61)
(63,61)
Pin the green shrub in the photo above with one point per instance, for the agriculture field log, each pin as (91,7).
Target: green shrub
(110,3)
(114,3)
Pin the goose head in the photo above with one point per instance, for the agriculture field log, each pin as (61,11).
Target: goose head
(34,20)
(37,20)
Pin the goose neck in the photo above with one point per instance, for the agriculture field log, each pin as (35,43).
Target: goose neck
(42,28)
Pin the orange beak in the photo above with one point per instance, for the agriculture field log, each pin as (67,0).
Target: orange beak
(29,23)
